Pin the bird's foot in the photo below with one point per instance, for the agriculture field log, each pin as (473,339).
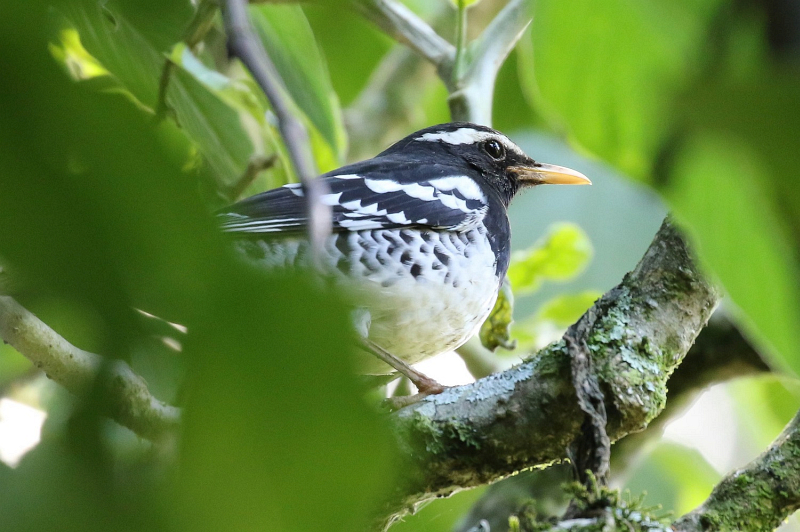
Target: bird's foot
(424,384)
(429,387)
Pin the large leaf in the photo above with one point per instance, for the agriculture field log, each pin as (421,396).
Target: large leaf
(626,79)
(288,38)
(718,185)
(274,418)
(605,70)
(349,71)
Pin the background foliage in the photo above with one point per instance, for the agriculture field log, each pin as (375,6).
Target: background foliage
(690,105)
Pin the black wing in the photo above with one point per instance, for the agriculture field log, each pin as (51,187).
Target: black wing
(374,194)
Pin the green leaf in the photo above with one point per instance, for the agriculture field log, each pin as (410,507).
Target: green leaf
(605,70)
(213,108)
(561,255)
(496,330)
(349,71)
(288,38)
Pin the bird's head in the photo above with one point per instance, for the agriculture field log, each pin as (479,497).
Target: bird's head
(490,155)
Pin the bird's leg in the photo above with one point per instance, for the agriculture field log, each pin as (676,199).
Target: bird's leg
(424,384)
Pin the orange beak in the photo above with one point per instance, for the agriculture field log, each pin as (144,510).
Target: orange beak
(549,174)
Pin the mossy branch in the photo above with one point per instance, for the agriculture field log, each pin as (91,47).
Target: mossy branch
(756,498)
(528,415)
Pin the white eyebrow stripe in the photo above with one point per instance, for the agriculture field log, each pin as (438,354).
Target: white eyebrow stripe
(467,135)
(464,185)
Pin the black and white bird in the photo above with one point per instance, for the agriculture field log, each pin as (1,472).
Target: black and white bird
(420,234)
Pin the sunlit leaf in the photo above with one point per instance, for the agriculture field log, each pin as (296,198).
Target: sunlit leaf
(78,61)
(562,254)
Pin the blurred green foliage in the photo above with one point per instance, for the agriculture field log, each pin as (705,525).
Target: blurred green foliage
(105,208)
(683,95)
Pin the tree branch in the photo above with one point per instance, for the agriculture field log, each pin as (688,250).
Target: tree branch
(526,416)
(720,353)
(243,43)
(128,400)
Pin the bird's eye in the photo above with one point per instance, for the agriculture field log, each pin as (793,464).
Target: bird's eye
(495,150)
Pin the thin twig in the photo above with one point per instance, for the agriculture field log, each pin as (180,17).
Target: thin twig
(243,43)
(471,95)
(461,41)
(256,164)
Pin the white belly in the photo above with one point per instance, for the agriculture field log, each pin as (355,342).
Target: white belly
(426,293)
